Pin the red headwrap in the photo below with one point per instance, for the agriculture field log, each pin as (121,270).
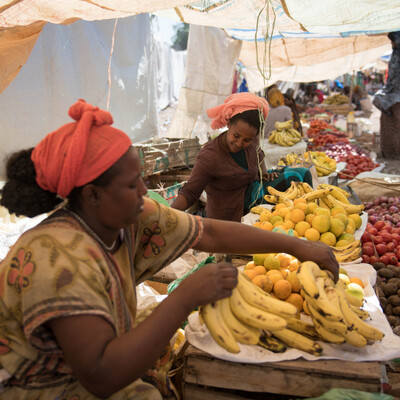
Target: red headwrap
(78,152)
(236,104)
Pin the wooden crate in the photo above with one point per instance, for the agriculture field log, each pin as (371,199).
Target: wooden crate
(164,154)
(204,374)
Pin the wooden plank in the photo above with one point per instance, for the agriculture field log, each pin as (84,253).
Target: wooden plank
(344,369)
(253,378)
(193,392)
(298,377)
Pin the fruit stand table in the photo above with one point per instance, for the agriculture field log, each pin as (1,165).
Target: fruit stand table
(205,376)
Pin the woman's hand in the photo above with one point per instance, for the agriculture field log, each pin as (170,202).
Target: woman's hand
(270,176)
(210,283)
(320,253)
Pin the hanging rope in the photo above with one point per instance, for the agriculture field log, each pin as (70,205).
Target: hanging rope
(109,64)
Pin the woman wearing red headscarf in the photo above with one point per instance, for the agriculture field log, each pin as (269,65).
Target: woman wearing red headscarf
(230,167)
(67,287)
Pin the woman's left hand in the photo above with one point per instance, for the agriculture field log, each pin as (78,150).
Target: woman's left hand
(270,176)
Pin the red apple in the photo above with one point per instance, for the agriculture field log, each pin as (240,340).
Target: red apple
(381,249)
(396,236)
(378,239)
(392,258)
(369,244)
(390,246)
(373,231)
(379,225)
(384,259)
(369,251)
(366,259)
(386,236)
(395,242)
(373,259)
(366,237)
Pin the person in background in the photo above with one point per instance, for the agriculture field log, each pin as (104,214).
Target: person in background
(387,100)
(67,286)
(231,168)
(290,102)
(279,112)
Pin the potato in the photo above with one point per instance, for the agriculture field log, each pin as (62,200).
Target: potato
(396,310)
(389,289)
(386,273)
(392,319)
(378,265)
(388,309)
(394,300)
(383,302)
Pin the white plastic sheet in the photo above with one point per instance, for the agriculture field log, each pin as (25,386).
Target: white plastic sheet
(387,349)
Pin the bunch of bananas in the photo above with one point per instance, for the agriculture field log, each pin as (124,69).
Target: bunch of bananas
(323,163)
(284,134)
(253,317)
(326,196)
(334,317)
(337,99)
(348,253)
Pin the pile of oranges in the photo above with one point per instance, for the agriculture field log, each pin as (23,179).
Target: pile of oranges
(276,274)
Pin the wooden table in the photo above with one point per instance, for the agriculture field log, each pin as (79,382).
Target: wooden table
(207,377)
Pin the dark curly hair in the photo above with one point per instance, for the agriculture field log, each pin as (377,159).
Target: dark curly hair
(252,117)
(23,196)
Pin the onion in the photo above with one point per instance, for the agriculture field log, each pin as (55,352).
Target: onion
(383,199)
(373,219)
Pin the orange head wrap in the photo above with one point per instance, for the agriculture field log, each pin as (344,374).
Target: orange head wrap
(236,104)
(78,152)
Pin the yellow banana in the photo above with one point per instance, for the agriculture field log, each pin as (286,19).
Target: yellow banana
(368,331)
(346,248)
(298,341)
(336,193)
(339,328)
(219,330)
(354,254)
(353,300)
(324,305)
(327,335)
(306,274)
(262,300)
(257,209)
(361,313)
(302,327)
(354,338)
(283,125)
(274,192)
(271,344)
(316,194)
(254,316)
(242,333)
(271,199)
(271,138)
(350,208)
(306,187)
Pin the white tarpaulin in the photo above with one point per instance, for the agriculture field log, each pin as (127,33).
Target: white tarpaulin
(70,62)
(210,64)
(310,60)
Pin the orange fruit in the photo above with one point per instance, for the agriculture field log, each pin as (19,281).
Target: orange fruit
(259,270)
(282,289)
(257,224)
(302,207)
(299,200)
(280,205)
(275,278)
(301,227)
(357,280)
(312,206)
(310,217)
(263,282)
(266,225)
(250,273)
(312,234)
(283,211)
(294,265)
(292,278)
(250,265)
(273,272)
(296,300)
(284,272)
(297,215)
(284,259)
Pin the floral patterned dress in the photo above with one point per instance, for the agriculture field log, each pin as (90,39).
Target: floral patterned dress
(57,269)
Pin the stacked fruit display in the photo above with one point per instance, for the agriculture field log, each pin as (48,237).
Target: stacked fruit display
(250,314)
(323,164)
(317,215)
(284,134)
(381,242)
